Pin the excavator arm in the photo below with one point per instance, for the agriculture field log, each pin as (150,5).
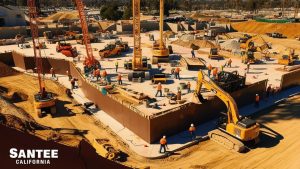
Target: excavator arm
(232,109)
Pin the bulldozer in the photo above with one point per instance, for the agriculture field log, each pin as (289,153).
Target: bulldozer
(122,45)
(233,131)
(110,50)
(66,49)
(288,58)
(214,54)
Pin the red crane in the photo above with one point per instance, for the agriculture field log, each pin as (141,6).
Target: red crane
(33,20)
(89,60)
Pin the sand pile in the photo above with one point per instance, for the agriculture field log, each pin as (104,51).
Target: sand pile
(59,16)
(232,45)
(291,30)
(188,44)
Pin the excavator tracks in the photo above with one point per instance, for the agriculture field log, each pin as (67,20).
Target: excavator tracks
(228,141)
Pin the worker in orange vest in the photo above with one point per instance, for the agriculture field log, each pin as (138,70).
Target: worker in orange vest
(257,99)
(209,68)
(97,73)
(188,85)
(177,71)
(159,90)
(192,130)
(104,75)
(52,72)
(215,72)
(119,78)
(163,144)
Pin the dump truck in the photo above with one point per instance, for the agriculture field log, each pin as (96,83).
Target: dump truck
(288,58)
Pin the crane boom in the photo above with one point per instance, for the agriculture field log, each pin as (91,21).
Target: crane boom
(35,39)
(161,24)
(137,51)
(85,33)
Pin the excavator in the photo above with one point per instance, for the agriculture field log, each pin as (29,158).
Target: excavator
(138,64)
(288,58)
(234,131)
(43,100)
(160,51)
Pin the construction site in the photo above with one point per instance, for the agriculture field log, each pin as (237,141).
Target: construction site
(197,89)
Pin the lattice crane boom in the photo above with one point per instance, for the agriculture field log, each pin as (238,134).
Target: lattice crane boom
(90,60)
(33,20)
(137,51)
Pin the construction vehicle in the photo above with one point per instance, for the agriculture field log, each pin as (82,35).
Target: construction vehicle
(288,58)
(24,45)
(159,78)
(66,49)
(93,39)
(70,35)
(122,45)
(43,101)
(106,150)
(160,51)
(276,35)
(250,44)
(109,51)
(138,64)
(214,54)
(50,38)
(233,131)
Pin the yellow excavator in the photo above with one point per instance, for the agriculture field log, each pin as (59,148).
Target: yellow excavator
(234,131)
(160,51)
(288,58)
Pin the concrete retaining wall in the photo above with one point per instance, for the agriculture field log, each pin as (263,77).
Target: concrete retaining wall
(291,79)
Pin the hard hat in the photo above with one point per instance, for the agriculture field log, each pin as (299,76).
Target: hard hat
(192,125)
(256,94)
(164,136)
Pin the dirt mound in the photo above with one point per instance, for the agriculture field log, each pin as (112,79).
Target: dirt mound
(6,70)
(189,44)
(62,16)
(291,30)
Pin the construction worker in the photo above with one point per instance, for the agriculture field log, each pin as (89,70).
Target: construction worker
(215,73)
(158,66)
(73,84)
(163,144)
(248,67)
(159,90)
(69,75)
(229,63)
(192,130)
(97,73)
(177,71)
(257,99)
(193,53)
(117,66)
(209,68)
(222,68)
(104,75)
(188,85)
(52,72)
(119,78)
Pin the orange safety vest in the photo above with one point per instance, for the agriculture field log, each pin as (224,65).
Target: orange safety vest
(229,61)
(104,74)
(51,71)
(215,72)
(177,70)
(257,98)
(119,77)
(159,87)
(97,72)
(191,129)
(163,141)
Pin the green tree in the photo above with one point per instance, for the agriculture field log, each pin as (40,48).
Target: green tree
(128,11)
(111,12)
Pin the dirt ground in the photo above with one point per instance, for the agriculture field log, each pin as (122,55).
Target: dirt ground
(279,146)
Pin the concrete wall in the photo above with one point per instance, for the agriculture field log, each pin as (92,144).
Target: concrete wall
(291,79)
